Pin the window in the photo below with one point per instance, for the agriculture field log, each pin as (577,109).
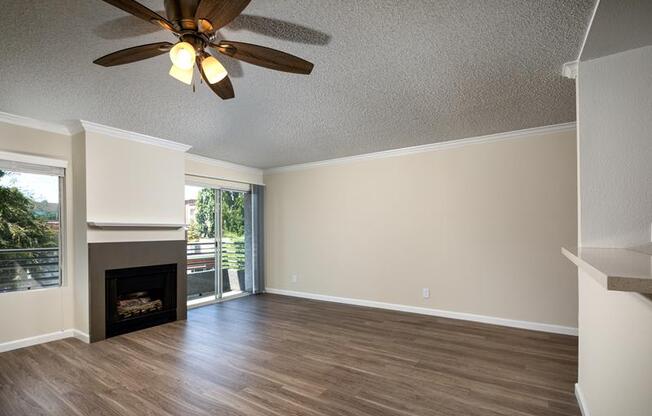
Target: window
(31,225)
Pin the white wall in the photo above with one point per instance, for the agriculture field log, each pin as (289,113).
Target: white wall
(615,365)
(32,313)
(480,225)
(615,159)
(616,149)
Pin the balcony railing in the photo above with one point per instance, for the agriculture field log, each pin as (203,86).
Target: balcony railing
(29,268)
(201,267)
(201,256)
(233,255)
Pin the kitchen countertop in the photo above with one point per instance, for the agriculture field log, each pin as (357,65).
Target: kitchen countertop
(622,269)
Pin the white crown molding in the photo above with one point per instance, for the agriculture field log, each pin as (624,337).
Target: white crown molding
(569,70)
(34,160)
(533,326)
(136,137)
(74,127)
(432,147)
(223,164)
(588,29)
(581,401)
(33,123)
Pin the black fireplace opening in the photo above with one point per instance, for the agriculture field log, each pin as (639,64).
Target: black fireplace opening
(140,297)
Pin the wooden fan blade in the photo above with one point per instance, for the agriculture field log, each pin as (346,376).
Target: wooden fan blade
(138,10)
(220,12)
(137,53)
(265,57)
(224,88)
(182,13)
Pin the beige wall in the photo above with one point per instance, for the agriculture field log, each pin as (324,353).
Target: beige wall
(480,225)
(215,169)
(128,181)
(80,238)
(31,313)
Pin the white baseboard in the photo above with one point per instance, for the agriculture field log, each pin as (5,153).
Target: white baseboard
(580,401)
(534,326)
(82,336)
(41,339)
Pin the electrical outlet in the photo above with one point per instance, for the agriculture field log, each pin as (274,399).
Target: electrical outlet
(294,278)
(425,292)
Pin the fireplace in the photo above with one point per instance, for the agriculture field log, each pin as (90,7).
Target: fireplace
(135,285)
(140,297)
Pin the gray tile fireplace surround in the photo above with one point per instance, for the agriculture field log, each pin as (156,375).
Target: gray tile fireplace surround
(121,255)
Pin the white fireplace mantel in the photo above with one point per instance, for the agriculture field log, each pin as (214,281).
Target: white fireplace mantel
(134,225)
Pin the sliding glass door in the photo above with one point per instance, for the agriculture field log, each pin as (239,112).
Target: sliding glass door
(217,238)
(232,243)
(201,243)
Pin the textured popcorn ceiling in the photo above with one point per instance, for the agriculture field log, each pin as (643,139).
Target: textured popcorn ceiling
(388,74)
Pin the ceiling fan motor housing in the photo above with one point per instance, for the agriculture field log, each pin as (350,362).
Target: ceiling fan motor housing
(182,13)
(199,41)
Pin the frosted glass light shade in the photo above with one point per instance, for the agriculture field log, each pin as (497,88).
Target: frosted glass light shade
(182,55)
(213,70)
(183,75)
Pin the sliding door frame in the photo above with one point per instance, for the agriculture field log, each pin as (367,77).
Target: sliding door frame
(218,231)
(218,207)
(217,224)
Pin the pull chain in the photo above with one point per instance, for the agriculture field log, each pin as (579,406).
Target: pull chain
(201,81)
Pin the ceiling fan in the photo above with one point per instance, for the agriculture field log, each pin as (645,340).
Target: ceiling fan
(195,23)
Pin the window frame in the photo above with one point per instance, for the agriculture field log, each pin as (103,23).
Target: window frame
(63,223)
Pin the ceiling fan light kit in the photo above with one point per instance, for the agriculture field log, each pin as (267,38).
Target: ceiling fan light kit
(213,69)
(183,55)
(195,23)
(183,75)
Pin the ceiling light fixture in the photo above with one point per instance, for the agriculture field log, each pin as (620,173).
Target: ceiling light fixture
(214,71)
(183,55)
(183,75)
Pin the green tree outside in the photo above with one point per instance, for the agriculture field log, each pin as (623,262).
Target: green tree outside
(232,206)
(204,224)
(233,214)
(20,226)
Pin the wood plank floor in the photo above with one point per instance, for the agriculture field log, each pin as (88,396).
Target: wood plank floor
(275,355)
